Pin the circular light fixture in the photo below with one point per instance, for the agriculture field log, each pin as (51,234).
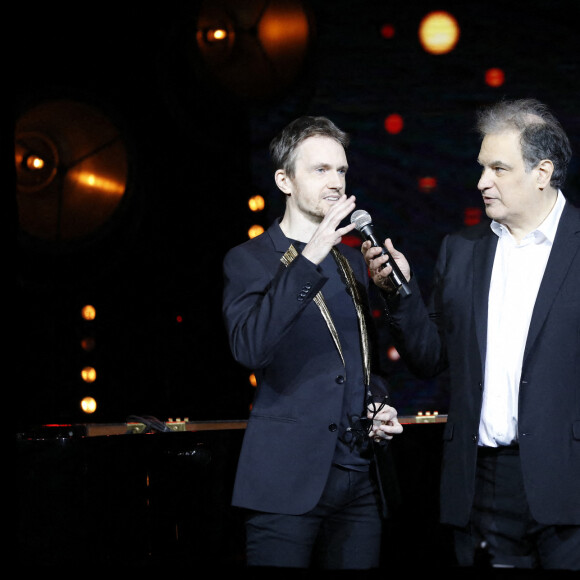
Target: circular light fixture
(36,159)
(71,170)
(255,49)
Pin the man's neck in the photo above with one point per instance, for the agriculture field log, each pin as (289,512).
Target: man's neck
(298,228)
(520,231)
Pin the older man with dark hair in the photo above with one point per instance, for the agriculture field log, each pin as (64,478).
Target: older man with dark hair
(504,319)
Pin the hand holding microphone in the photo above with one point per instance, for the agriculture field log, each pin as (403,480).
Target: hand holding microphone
(363,223)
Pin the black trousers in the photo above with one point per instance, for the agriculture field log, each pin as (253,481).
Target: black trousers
(502,531)
(342,532)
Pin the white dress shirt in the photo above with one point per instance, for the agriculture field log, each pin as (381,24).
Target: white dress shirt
(517,273)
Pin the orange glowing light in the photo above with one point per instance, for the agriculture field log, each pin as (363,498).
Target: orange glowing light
(256,203)
(494,77)
(255,231)
(253,380)
(88,312)
(215,35)
(439,32)
(88,405)
(89,375)
(283,31)
(394,124)
(100,184)
(34,162)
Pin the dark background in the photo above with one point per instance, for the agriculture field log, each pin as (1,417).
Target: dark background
(198,150)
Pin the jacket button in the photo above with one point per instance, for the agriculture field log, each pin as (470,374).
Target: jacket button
(332,427)
(474,438)
(340,379)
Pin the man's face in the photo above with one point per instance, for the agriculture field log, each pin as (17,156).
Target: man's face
(319,176)
(510,194)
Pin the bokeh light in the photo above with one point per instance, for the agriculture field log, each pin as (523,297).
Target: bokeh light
(255,230)
(88,405)
(494,77)
(439,32)
(387,31)
(394,124)
(472,215)
(256,203)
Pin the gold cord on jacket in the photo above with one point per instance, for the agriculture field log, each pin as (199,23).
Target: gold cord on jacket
(348,274)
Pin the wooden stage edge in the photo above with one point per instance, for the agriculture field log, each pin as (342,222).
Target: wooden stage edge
(178,425)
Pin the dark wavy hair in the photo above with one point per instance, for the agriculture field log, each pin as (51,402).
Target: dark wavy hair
(283,146)
(541,135)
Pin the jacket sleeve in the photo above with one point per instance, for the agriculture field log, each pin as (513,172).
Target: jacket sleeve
(262,300)
(417,329)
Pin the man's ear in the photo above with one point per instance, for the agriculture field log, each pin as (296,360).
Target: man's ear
(545,169)
(283,181)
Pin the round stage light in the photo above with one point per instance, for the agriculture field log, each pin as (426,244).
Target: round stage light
(254,49)
(71,170)
(494,77)
(439,32)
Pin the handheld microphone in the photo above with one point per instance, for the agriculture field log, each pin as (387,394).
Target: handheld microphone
(363,223)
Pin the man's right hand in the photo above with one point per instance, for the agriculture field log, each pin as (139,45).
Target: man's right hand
(327,235)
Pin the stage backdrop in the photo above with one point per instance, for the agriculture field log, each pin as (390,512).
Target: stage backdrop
(158,132)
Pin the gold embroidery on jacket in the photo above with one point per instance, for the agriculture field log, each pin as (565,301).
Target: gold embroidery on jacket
(356,298)
(290,255)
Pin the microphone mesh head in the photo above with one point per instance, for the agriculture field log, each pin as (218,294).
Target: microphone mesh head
(360,218)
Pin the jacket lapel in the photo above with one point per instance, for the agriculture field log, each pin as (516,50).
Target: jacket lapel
(566,246)
(483,257)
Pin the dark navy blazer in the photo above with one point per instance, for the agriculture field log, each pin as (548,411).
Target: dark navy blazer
(452,333)
(277,330)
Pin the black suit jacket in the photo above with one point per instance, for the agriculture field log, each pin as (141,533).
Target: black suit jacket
(451,333)
(277,330)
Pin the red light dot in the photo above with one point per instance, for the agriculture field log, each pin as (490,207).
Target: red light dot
(352,240)
(494,77)
(179,318)
(387,31)
(427,184)
(471,216)
(394,124)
